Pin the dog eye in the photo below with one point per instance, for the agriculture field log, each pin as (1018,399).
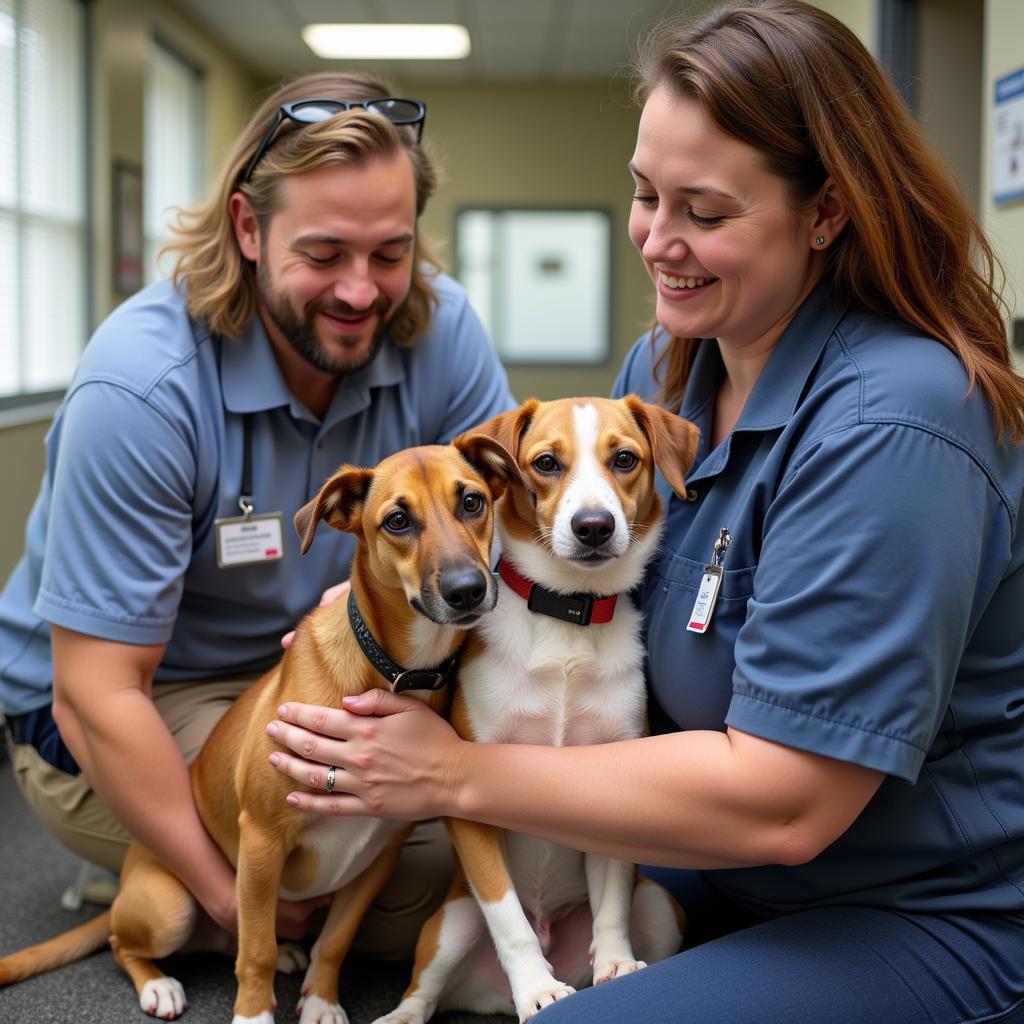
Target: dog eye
(472,504)
(397,522)
(625,459)
(546,463)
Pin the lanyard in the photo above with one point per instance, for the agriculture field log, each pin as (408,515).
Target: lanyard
(249,538)
(245,497)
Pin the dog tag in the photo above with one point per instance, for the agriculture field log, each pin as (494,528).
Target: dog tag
(248,539)
(710,584)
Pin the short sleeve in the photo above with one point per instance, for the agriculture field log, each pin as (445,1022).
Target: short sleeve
(871,575)
(119,536)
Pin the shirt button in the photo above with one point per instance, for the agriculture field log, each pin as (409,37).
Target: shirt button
(691,494)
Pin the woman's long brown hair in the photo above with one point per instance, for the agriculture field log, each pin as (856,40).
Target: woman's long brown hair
(797,85)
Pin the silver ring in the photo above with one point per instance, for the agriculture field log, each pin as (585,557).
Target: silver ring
(330,779)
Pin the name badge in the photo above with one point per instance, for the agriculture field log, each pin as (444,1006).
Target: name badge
(246,540)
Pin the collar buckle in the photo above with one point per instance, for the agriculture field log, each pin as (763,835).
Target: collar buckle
(576,608)
(419,679)
(400,679)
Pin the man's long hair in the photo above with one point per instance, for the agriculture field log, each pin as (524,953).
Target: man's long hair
(219,284)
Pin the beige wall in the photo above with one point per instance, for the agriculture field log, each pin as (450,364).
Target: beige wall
(949,86)
(542,144)
(21,455)
(859,15)
(1004,30)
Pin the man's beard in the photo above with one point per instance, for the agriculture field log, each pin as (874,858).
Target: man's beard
(299,331)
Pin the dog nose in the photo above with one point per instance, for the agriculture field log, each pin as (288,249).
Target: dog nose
(463,589)
(593,526)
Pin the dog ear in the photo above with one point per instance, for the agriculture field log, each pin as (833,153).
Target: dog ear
(339,504)
(507,428)
(673,440)
(491,460)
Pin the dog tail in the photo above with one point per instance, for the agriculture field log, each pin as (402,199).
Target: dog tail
(64,949)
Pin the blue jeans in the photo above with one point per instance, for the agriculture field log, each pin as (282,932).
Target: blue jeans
(836,965)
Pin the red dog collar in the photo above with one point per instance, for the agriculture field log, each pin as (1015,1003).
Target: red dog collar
(582,609)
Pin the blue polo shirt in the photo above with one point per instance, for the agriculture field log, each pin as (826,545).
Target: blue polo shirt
(872,607)
(146,452)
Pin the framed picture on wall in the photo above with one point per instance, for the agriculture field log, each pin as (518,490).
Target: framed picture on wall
(540,280)
(128,238)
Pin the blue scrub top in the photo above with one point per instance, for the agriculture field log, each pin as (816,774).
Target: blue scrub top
(146,452)
(872,608)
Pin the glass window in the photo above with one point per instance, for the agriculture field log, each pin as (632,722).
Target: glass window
(43,205)
(172,176)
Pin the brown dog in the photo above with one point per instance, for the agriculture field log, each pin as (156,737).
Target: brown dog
(423,520)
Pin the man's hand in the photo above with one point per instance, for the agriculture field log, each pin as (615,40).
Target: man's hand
(329,596)
(292,920)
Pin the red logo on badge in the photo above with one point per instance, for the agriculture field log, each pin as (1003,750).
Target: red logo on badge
(270,553)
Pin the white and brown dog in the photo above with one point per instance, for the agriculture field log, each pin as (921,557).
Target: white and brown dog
(559,663)
(423,521)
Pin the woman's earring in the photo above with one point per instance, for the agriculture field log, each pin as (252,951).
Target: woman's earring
(820,240)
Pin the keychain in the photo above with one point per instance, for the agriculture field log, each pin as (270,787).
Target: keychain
(710,584)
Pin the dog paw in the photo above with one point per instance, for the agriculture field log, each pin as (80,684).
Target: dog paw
(314,1010)
(291,958)
(266,1017)
(411,1010)
(616,969)
(533,1002)
(163,998)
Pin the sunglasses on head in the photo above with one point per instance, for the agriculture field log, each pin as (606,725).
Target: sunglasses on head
(397,110)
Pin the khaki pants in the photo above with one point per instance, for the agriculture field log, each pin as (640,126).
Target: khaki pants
(75,814)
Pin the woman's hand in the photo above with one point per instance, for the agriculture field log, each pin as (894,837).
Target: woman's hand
(329,596)
(393,757)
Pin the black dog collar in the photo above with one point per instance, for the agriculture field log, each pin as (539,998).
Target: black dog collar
(400,679)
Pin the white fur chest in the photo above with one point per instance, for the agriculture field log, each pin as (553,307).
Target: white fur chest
(543,681)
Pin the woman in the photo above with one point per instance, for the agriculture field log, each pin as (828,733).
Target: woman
(839,751)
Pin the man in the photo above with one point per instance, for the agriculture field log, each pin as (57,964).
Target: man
(305,327)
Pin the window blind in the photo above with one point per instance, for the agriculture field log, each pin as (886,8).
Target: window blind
(43,204)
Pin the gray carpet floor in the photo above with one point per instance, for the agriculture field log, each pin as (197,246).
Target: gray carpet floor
(34,871)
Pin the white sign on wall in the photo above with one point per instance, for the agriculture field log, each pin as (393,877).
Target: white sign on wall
(1008,138)
(540,280)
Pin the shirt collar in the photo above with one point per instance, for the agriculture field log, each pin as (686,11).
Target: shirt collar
(778,389)
(353,394)
(251,380)
(250,377)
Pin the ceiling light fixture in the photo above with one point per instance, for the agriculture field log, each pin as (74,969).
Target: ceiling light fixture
(387,42)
